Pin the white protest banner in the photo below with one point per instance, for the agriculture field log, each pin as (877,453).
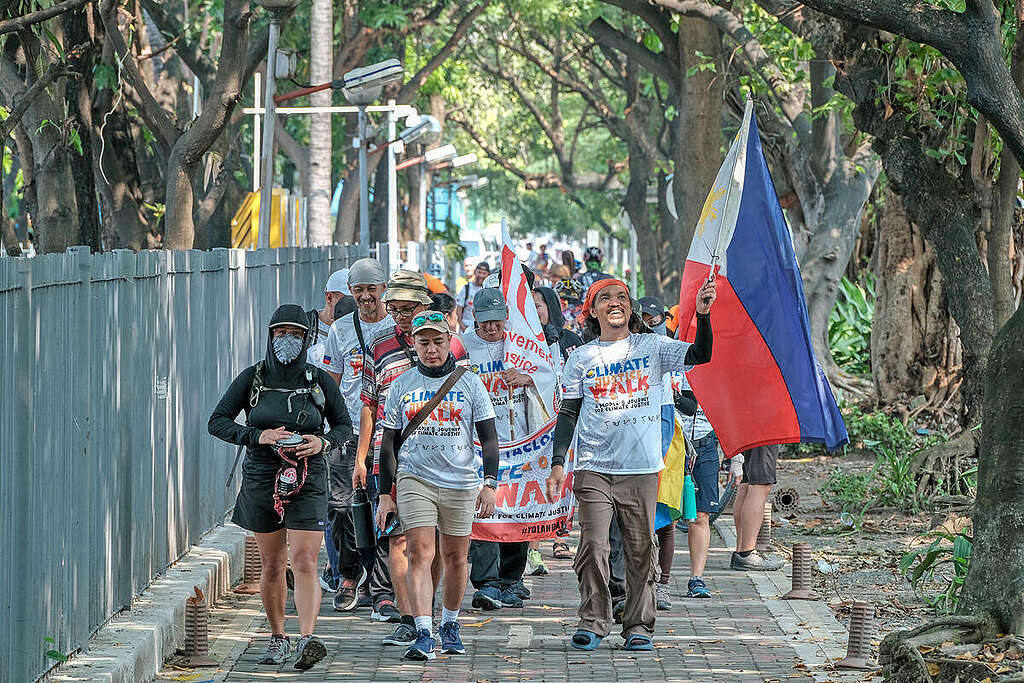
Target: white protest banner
(522,511)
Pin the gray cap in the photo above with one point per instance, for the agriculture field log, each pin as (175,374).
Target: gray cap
(489,304)
(366,271)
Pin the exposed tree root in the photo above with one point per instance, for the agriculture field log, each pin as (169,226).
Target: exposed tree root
(940,469)
(954,649)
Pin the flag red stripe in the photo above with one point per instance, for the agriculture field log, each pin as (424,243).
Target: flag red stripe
(745,396)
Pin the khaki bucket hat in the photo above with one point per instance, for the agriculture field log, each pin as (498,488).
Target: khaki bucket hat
(407,285)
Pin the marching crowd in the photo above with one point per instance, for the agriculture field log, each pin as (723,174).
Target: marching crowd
(380,395)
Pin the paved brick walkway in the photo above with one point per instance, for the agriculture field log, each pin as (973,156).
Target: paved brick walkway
(735,636)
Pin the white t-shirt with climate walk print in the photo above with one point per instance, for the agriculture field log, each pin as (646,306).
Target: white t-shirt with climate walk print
(343,355)
(621,384)
(441,450)
(487,361)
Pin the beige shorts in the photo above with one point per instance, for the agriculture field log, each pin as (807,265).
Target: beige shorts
(421,503)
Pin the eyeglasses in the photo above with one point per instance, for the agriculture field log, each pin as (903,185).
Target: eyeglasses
(400,312)
(422,319)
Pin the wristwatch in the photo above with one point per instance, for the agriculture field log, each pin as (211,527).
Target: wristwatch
(491,481)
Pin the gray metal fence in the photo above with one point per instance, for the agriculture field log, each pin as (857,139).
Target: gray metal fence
(112,364)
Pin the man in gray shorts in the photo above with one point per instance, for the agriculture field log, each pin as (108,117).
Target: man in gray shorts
(748,509)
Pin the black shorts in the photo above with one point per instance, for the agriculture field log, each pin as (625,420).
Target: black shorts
(759,465)
(254,507)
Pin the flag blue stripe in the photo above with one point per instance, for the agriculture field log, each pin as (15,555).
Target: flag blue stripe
(763,271)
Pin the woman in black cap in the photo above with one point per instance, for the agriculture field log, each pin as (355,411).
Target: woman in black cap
(283,495)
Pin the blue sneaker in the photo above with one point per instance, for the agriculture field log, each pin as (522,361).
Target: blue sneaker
(423,648)
(488,598)
(510,599)
(451,643)
(697,589)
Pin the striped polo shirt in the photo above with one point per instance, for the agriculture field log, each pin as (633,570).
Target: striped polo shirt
(392,354)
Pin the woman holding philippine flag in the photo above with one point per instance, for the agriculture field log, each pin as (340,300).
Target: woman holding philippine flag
(612,393)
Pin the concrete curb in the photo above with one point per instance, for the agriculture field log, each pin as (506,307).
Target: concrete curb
(817,637)
(133,645)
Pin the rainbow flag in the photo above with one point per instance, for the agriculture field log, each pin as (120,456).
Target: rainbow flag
(670,480)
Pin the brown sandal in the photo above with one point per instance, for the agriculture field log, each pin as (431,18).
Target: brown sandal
(561,551)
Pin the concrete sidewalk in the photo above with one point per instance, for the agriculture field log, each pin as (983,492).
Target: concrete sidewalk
(742,633)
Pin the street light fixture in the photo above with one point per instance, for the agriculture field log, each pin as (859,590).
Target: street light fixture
(361,87)
(426,130)
(439,155)
(464,160)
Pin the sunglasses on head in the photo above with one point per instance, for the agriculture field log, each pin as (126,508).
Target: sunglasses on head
(422,319)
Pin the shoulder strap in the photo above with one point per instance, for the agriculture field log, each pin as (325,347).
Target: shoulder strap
(313,317)
(257,386)
(428,408)
(359,331)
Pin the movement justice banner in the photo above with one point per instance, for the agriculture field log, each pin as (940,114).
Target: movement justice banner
(522,511)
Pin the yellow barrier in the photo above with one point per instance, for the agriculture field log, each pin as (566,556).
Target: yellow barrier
(245,225)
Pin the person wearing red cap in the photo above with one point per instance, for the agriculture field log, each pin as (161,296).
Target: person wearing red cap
(611,400)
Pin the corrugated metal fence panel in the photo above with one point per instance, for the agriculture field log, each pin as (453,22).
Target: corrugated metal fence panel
(107,473)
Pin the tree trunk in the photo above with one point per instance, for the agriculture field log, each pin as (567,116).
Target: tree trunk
(635,204)
(190,147)
(28,172)
(1005,200)
(78,30)
(56,220)
(320,71)
(697,148)
(995,580)
(915,345)
(828,251)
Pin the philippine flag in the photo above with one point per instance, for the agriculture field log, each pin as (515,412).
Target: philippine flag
(763,385)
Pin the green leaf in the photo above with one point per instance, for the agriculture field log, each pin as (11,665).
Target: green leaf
(56,43)
(104,76)
(56,656)
(76,140)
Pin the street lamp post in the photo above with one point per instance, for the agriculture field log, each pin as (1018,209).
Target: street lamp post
(276,9)
(361,87)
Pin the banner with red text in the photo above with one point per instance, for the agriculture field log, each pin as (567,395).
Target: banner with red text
(521,509)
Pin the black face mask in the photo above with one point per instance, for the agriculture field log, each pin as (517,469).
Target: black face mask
(446,368)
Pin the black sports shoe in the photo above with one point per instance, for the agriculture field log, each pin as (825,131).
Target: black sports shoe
(346,597)
(404,636)
(310,650)
(618,609)
(386,611)
(520,590)
(327,582)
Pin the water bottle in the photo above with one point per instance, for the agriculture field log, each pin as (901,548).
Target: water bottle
(689,499)
(287,482)
(363,525)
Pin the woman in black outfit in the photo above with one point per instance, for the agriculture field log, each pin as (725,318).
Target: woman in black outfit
(549,310)
(283,495)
